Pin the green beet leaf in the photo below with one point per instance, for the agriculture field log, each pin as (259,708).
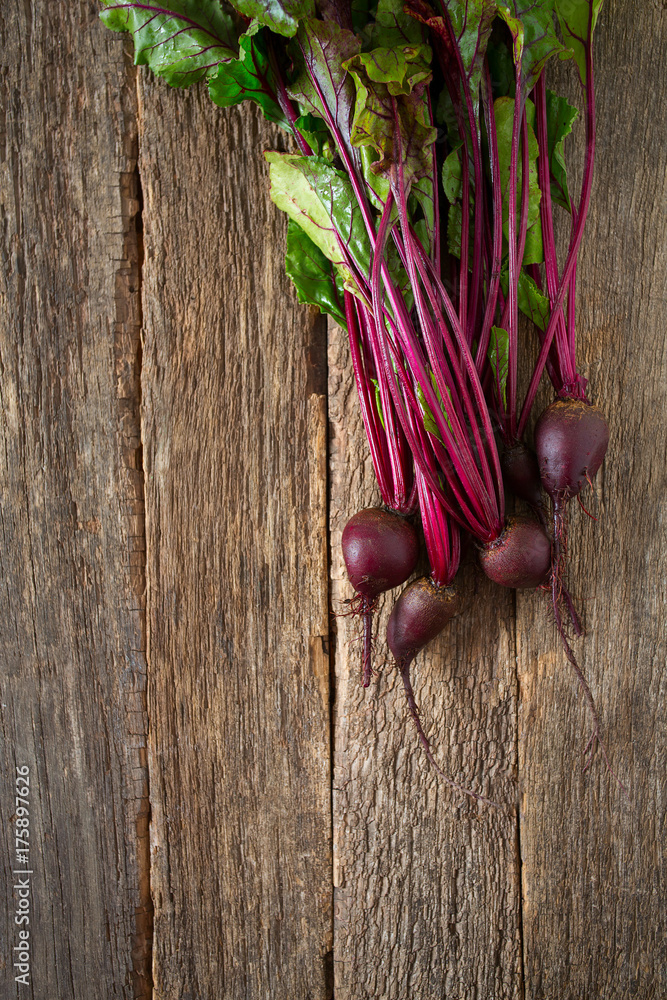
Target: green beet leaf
(533,251)
(429,420)
(249,77)
(320,199)
(316,280)
(434,383)
(577,19)
(181,40)
(454,230)
(335,192)
(451,176)
(363,14)
(471,22)
(430,423)
(378,184)
(499,359)
(421,202)
(281,16)
(317,135)
(401,69)
(504,114)
(531,24)
(393,27)
(320,50)
(560,119)
(501,65)
(533,303)
(445,115)
(422,194)
(391,98)
(294,193)
(378,402)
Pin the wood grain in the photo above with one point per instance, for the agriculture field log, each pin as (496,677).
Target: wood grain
(426,882)
(240,418)
(71,510)
(234,418)
(593,862)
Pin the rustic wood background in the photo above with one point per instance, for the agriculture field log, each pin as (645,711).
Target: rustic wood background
(219,811)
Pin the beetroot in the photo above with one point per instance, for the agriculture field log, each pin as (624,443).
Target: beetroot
(571,438)
(521,474)
(419,615)
(380,550)
(520,556)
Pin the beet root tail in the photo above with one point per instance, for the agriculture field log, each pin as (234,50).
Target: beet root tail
(557,593)
(367,658)
(404,668)
(363,607)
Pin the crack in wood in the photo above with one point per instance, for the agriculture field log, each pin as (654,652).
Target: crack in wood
(129,359)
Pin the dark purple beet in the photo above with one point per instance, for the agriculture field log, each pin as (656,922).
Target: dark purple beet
(520,556)
(521,474)
(380,551)
(571,439)
(420,613)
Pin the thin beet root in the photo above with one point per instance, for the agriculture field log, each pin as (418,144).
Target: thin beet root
(419,615)
(559,595)
(571,439)
(520,556)
(571,610)
(380,550)
(595,737)
(363,607)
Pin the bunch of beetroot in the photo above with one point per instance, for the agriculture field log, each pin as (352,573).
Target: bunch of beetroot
(427,163)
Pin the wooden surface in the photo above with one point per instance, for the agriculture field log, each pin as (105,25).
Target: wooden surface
(426,883)
(234,425)
(594,865)
(72,620)
(183,682)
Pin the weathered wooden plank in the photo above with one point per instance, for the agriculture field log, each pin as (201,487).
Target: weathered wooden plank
(426,883)
(235,433)
(71,505)
(593,863)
